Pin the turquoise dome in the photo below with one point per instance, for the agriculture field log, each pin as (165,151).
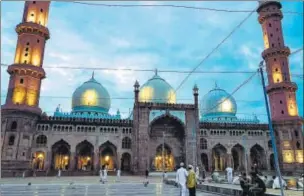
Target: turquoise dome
(91,97)
(157,90)
(217,103)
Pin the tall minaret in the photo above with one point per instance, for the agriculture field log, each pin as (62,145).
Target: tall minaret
(26,72)
(281,91)
(21,110)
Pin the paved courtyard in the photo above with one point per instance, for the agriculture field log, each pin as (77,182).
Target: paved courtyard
(110,189)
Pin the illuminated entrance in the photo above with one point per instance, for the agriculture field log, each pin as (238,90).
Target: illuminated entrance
(85,155)
(61,155)
(219,153)
(164,159)
(38,161)
(107,156)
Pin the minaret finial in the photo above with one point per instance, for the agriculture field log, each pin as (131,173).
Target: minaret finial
(156,71)
(93,75)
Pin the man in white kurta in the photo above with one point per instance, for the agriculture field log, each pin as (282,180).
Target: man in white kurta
(229,171)
(100,175)
(118,175)
(181,179)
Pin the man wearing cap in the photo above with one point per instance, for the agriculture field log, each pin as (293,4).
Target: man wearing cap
(181,179)
(191,181)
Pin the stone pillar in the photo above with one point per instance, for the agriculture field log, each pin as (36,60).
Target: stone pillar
(48,161)
(96,160)
(72,162)
(229,160)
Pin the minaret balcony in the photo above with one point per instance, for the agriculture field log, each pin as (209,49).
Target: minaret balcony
(21,108)
(276,51)
(26,69)
(33,28)
(282,86)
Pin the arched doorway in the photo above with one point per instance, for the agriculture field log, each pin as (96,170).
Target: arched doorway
(125,162)
(257,156)
(38,160)
(61,155)
(164,159)
(169,130)
(219,153)
(85,156)
(108,156)
(204,159)
(238,156)
(271,162)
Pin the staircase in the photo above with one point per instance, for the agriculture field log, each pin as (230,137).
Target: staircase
(15,168)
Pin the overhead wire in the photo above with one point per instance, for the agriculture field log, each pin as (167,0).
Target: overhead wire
(213,50)
(177,6)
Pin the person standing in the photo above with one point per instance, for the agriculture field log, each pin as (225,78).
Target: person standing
(100,175)
(191,181)
(105,173)
(181,178)
(229,171)
(118,175)
(146,182)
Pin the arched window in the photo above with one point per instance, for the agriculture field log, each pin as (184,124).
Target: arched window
(126,143)
(203,143)
(11,140)
(14,125)
(41,140)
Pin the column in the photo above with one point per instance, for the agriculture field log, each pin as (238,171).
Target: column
(48,161)
(72,161)
(96,160)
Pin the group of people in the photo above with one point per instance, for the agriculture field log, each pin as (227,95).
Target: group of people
(103,174)
(255,187)
(186,179)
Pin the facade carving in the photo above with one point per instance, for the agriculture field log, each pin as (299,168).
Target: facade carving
(158,134)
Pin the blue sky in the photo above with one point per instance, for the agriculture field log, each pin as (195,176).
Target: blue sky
(149,38)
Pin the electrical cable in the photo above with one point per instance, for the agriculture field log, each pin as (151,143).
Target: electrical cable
(212,51)
(178,6)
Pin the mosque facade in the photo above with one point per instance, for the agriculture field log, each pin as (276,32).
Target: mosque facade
(159,133)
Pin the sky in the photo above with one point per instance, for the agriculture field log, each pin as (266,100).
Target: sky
(149,38)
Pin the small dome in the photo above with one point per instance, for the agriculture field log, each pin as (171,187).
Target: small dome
(218,103)
(157,90)
(91,96)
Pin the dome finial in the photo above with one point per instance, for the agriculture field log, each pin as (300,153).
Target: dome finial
(215,85)
(93,75)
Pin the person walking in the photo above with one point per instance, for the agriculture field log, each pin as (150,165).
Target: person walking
(118,175)
(146,182)
(100,175)
(181,179)
(191,181)
(105,173)
(244,182)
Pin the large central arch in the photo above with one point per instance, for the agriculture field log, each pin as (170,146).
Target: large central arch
(219,153)
(166,147)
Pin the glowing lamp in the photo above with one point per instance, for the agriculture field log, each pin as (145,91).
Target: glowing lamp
(66,157)
(88,158)
(40,156)
(107,158)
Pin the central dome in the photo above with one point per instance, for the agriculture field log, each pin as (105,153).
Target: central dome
(157,90)
(91,96)
(218,103)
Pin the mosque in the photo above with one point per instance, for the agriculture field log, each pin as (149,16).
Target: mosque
(158,134)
